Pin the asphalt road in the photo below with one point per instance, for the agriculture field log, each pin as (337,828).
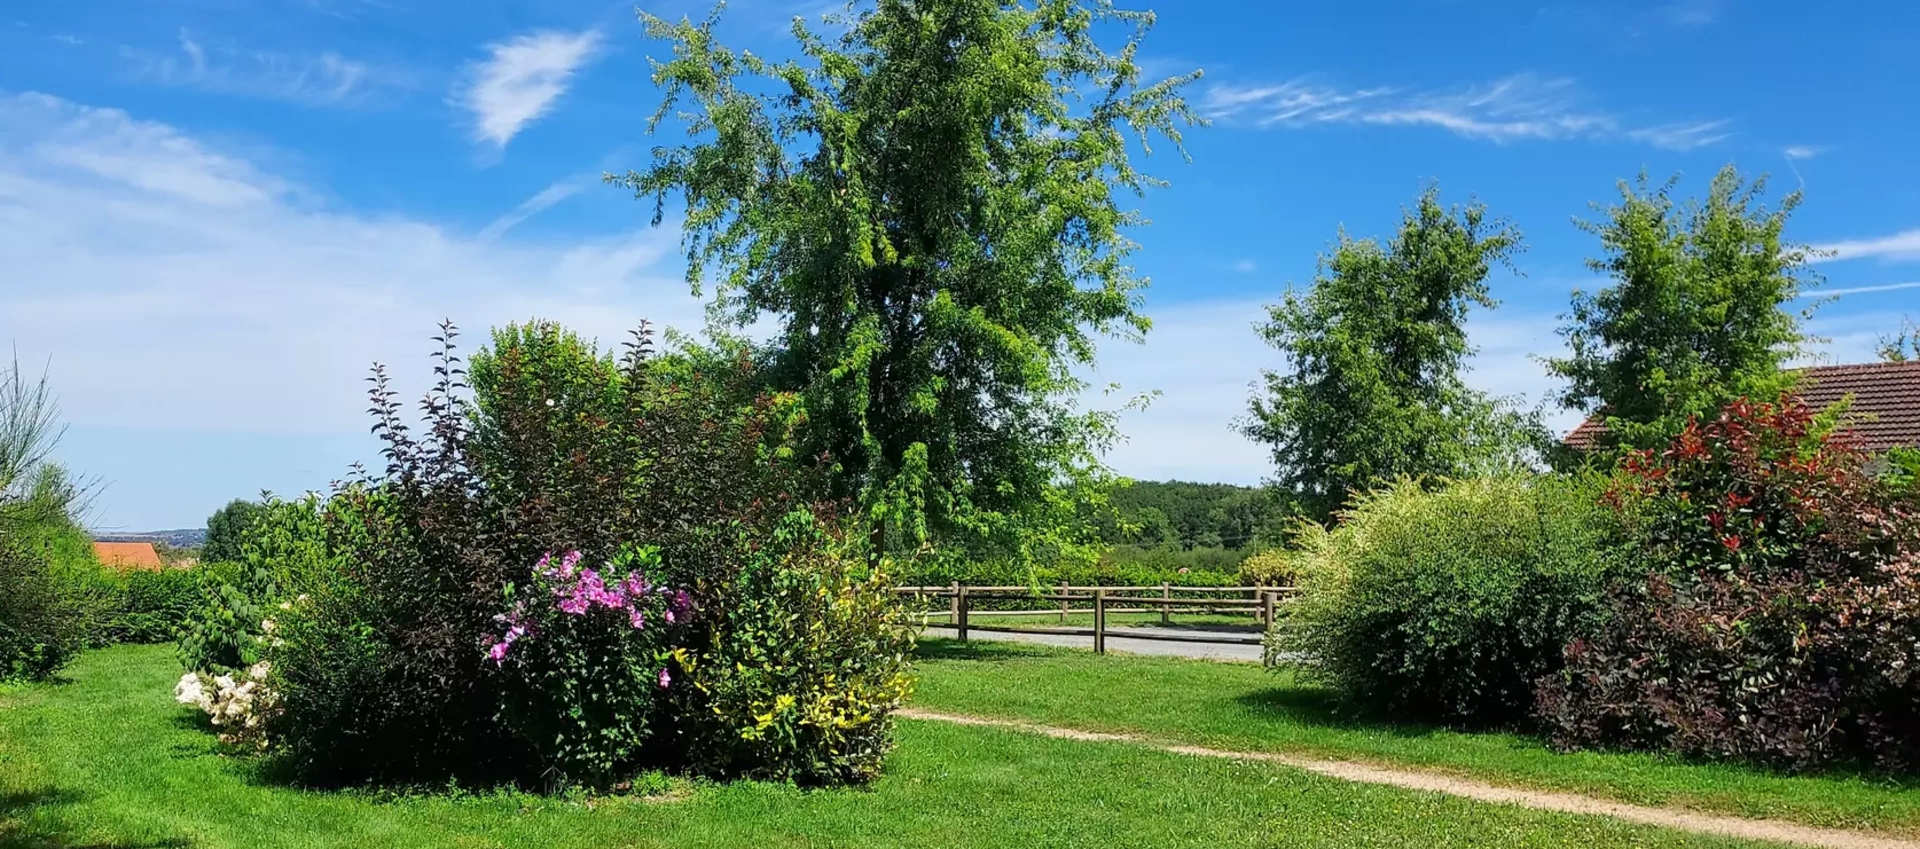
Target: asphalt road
(1117,641)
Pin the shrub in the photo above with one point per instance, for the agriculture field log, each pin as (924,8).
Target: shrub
(151,606)
(798,670)
(1445,604)
(55,599)
(282,550)
(459,633)
(1778,620)
(1274,567)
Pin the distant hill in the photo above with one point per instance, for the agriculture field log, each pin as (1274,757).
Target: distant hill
(178,538)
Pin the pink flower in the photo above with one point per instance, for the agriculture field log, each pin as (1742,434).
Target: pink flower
(638,618)
(635,585)
(568,561)
(665,678)
(669,614)
(573,605)
(498,653)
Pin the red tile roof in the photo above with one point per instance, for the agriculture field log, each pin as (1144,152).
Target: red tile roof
(128,556)
(1885,412)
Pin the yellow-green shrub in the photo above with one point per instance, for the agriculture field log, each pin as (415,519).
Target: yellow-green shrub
(1446,604)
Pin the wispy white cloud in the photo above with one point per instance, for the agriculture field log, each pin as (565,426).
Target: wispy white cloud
(1802,151)
(1682,136)
(1246,266)
(175,285)
(325,78)
(1516,108)
(521,79)
(540,202)
(1904,245)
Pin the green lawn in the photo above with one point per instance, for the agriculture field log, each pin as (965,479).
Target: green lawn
(1085,620)
(1242,707)
(107,761)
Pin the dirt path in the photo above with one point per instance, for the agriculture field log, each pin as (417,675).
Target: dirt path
(1725,826)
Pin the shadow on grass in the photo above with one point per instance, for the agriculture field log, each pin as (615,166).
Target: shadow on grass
(942,648)
(30,819)
(1299,704)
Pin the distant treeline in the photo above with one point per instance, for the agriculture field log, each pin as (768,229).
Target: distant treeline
(1187,516)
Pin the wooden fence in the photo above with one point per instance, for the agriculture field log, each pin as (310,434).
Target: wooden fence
(1257,603)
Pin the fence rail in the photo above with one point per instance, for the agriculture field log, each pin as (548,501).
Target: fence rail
(1259,603)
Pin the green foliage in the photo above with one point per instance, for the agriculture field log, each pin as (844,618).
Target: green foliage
(1903,346)
(1372,388)
(1776,616)
(446,644)
(151,606)
(926,208)
(1446,605)
(1903,471)
(54,596)
(1274,567)
(1153,514)
(801,666)
(1696,313)
(1119,566)
(282,550)
(227,530)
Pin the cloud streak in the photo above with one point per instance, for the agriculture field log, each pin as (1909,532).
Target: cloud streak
(1904,245)
(521,79)
(321,79)
(1522,107)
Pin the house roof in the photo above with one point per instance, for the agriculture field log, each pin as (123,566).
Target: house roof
(1885,412)
(128,556)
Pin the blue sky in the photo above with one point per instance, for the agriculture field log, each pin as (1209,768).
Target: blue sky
(214,214)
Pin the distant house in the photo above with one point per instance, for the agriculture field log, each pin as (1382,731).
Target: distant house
(1885,412)
(128,556)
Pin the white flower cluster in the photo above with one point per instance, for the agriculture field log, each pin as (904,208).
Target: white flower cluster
(237,704)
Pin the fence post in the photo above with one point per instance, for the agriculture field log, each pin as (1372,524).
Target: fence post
(1166,591)
(960,598)
(1064,602)
(1266,607)
(1099,620)
(953,605)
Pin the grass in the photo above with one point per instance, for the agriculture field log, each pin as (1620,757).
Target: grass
(107,761)
(1242,707)
(1085,620)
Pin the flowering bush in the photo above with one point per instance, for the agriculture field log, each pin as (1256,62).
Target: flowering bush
(1779,620)
(566,576)
(588,653)
(239,704)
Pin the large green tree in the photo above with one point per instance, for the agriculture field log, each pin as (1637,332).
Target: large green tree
(1696,315)
(1374,352)
(227,527)
(925,206)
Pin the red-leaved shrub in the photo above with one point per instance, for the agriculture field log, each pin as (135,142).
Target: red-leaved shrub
(1779,619)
